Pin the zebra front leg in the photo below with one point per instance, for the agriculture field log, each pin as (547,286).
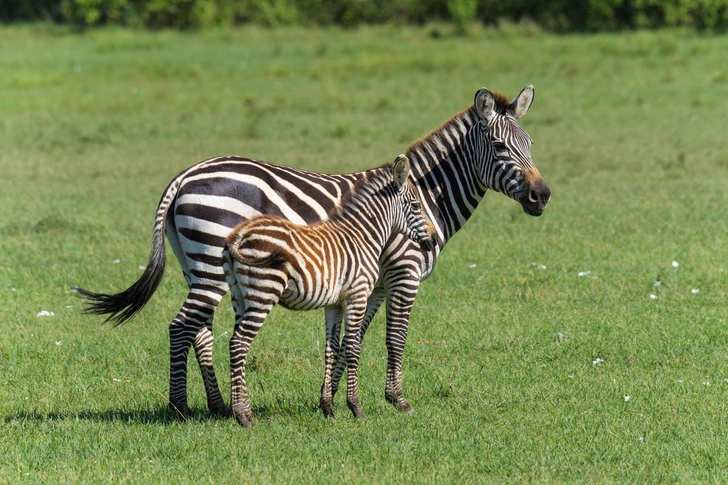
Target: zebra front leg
(399,306)
(333,327)
(354,312)
(373,303)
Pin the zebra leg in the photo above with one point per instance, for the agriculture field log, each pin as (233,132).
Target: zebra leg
(354,312)
(399,306)
(183,331)
(333,327)
(373,303)
(203,345)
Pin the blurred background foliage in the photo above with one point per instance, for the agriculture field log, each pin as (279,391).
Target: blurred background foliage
(555,15)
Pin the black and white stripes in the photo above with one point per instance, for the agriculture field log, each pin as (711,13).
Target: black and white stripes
(329,264)
(480,148)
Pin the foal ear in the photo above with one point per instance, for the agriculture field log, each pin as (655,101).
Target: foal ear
(520,104)
(484,104)
(401,169)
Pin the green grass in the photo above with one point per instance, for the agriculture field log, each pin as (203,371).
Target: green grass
(629,133)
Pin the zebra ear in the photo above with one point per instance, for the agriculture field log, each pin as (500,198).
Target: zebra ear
(520,104)
(484,104)
(401,169)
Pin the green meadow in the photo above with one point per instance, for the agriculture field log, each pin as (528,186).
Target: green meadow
(585,346)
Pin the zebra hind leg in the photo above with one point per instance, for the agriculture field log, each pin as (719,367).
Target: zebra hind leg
(203,345)
(183,333)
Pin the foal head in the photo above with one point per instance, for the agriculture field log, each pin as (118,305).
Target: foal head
(408,217)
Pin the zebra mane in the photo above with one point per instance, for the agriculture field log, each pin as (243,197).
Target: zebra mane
(501,102)
(442,139)
(456,124)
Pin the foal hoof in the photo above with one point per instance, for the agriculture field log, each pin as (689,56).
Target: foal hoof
(244,418)
(400,404)
(356,410)
(327,409)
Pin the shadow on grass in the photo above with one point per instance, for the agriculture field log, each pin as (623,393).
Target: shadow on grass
(161,415)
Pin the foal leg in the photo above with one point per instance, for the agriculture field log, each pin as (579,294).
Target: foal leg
(333,327)
(248,321)
(354,311)
(373,303)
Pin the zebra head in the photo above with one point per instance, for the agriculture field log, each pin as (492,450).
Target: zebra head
(409,218)
(507,164)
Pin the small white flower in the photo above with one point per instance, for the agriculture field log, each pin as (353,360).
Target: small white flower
(598,360)
(641,439)
(559,335)
(542,266)
(675,264)
(59,342)
(472,266)
(657,283)
(653,296)
(117,380)
(116,261)
(706,383)
(13,289)
(695,290)
(681,380)
(583,273)
(570,376)
(142,268)
(68,307)
(45,313)
(626,398)
(224,334)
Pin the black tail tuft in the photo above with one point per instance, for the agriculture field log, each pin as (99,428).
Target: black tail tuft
(121,307)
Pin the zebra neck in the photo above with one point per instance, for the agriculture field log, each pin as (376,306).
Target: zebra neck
(446,168)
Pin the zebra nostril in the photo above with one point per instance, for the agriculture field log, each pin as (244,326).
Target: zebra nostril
(532,196)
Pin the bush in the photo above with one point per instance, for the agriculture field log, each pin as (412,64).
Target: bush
(550,14)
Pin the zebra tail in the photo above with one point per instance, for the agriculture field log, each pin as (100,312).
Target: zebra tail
(122,307)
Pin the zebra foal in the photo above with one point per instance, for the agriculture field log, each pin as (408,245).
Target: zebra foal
(331,264)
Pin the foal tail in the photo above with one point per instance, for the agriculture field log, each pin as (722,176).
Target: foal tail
(255,253)
(121,307)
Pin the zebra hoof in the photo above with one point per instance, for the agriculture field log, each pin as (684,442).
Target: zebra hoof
(182,410)
(222,411)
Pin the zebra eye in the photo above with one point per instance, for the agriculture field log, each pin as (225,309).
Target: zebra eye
(416,206)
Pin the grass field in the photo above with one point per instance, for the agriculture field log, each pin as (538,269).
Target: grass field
(541,350)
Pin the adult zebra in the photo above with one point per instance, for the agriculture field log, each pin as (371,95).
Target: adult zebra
(482,147)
